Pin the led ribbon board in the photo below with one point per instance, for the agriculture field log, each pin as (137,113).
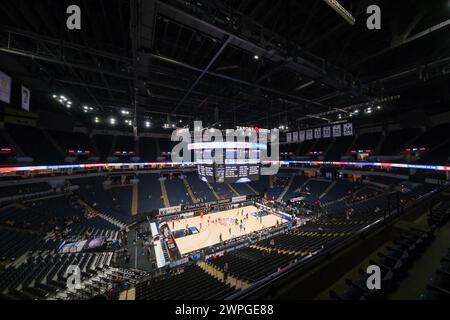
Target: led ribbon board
(174,164)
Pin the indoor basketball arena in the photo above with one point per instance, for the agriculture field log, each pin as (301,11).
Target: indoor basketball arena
(228,150)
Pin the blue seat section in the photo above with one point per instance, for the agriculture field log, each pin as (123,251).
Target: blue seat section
(340,190)
(47,215)
(125,143)
(242,189)
(279,184)
(72,141)
(147,149)
(368,141)
(315,188)
(177,191)
(273,193)
(34,144)
(386,180)
(396,140)
(165,146)
(23,189)
(63,207)
(122,199)
(305,147)
(111,202)
(293,190)
(322,145)
(432,137)
(104,144)
(14,243)
(261,185)
(437,156)
(149,193)
(339,148)
(200,188)
(223,191)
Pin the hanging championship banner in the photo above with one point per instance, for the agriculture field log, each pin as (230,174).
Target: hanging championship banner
(301,137)
(327,132)
(5,88)
(289,137)
(337,131)
(25,99)
(348,129)
(295,137)
(309,134)
(318,133)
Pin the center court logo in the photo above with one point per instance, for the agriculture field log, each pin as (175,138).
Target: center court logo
(209,144)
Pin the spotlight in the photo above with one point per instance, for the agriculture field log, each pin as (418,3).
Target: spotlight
(96,120)
(112,121)
(256,57)
(378,107)
(55,96)
(148,124)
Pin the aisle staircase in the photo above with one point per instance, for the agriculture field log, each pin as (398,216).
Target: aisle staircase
(134,199)
(189,190)
(219,275)
(331,186)
(128,294)
(164,194)
(282,251)
(286,189)
(233,190)
(213,191)
(111,220)
(251,188)
(53,142)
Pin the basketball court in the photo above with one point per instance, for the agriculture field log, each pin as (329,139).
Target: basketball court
(208,234)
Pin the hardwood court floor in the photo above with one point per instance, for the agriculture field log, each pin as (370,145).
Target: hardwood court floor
(210,234)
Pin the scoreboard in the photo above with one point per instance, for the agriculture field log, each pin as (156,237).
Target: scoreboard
(229,161)
(229,173)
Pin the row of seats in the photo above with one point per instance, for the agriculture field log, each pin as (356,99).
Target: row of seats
(438,287)
(302,242)
(15,243)
(42,276)
(440,215)
(15,190)
(394,262)
(192,283)
(252,264)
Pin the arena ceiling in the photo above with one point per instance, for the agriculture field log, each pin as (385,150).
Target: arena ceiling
(247,62)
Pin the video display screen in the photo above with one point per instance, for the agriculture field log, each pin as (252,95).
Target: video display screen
(239,173)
